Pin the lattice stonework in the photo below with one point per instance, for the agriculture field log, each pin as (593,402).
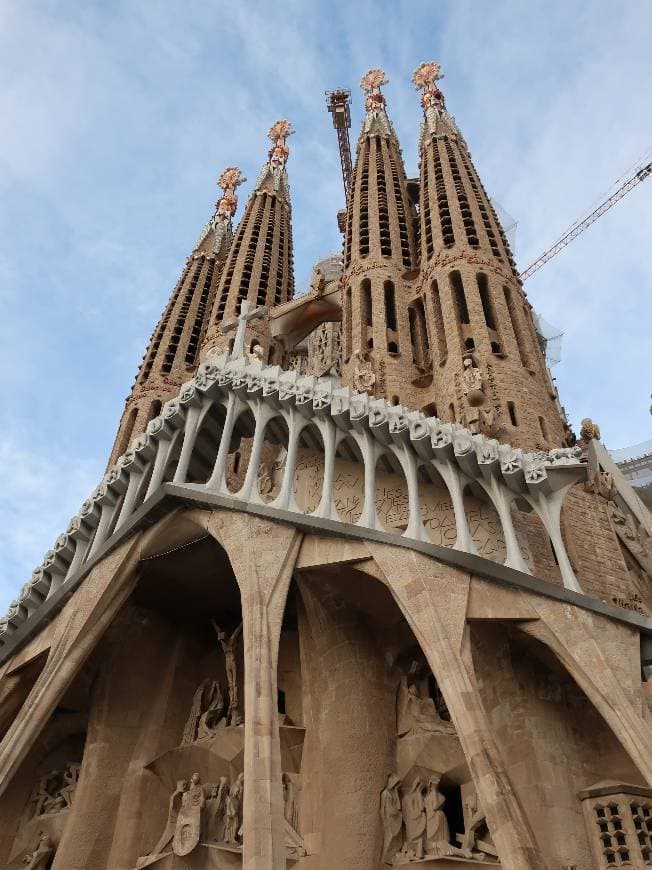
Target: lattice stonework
(619,824)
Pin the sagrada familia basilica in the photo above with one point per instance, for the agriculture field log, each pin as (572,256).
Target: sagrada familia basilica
(351,594)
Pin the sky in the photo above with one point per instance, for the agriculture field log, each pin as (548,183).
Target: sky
(117,118)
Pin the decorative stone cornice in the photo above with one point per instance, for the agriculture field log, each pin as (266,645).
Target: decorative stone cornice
(268,391)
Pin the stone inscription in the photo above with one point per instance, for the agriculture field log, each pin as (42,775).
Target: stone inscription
(392,504)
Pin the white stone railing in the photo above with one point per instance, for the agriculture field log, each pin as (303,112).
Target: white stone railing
(281,405)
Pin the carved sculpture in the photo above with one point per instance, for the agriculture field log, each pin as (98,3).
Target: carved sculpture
(416,714)
(188,826)
(473,390)
(214,716)
(233,814)
(257,354)
(437,830)
(290,807)
(54,792)
(364,378)
(39,858)
(392,819)
(215,811)
(589,431)
(476,839)
(228,646)
(414,817)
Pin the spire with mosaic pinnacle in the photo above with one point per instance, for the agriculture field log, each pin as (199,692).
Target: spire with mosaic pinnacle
(379,253)
(173,352)
(259,267)
(487,369)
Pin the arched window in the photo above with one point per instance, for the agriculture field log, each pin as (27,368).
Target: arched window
(440,332)
(390,305)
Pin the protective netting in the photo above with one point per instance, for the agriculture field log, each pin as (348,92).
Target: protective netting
(550,339)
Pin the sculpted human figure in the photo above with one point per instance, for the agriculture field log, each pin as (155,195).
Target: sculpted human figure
(190,730)
(437,830)
(232,816)
(476,836)
(364,378)
(416,714)
(229,646)
(473,393)
(214,715)
(392,818)
(215,810)
(290,808)
(38,859)
(414,817)
(188,825)
(41,794)
(70,777)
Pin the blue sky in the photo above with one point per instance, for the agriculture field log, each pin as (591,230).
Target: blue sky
(119,116)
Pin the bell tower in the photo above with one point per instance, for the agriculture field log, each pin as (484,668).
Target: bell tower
(259,267)
(379,255)
(488,369)
(173,351)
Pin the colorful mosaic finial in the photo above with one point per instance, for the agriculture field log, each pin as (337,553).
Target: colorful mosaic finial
(227,204)
(371,83)
(425,78)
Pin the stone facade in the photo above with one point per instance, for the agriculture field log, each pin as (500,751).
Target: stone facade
(305,620)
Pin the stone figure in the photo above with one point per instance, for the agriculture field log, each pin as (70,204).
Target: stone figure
(233,814)
(38,859)
(214,716)
(257,354)
(473,389)
(229,646)
(364,378)
(42,792)
(414,817)
(290,807)
(190,730)
(170,825)
(416,714)
(437,830)
(392,818)
(70,777)
(215,811)
(589,431)
(476,837)
(188,828)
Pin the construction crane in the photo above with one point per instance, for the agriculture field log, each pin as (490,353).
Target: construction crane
(640,174)
(339,105)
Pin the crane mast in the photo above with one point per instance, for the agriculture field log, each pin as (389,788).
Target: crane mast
(639,175)
(339,105)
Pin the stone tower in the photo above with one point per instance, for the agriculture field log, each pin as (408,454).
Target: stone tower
(260,265)
(379,620)
(173,351)
(472,329)
(379,255)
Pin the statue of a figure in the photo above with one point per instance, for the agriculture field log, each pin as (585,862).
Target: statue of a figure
(190,731)
(414,817)
(476,837)
(437,830)
(589,431)
(214,716)
(38,859)
(188,826)
(170,825)
(232,816)
(392,818)
(215,810)
(70,778)
(257,354)
(290,808)
(364,378)
(472,387)
(42,794)
(416,714)
(228,646)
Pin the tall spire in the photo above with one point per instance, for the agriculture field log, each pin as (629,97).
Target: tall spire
(259,266)
(478,335)
(379,250)
(173,351)
(219,229)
